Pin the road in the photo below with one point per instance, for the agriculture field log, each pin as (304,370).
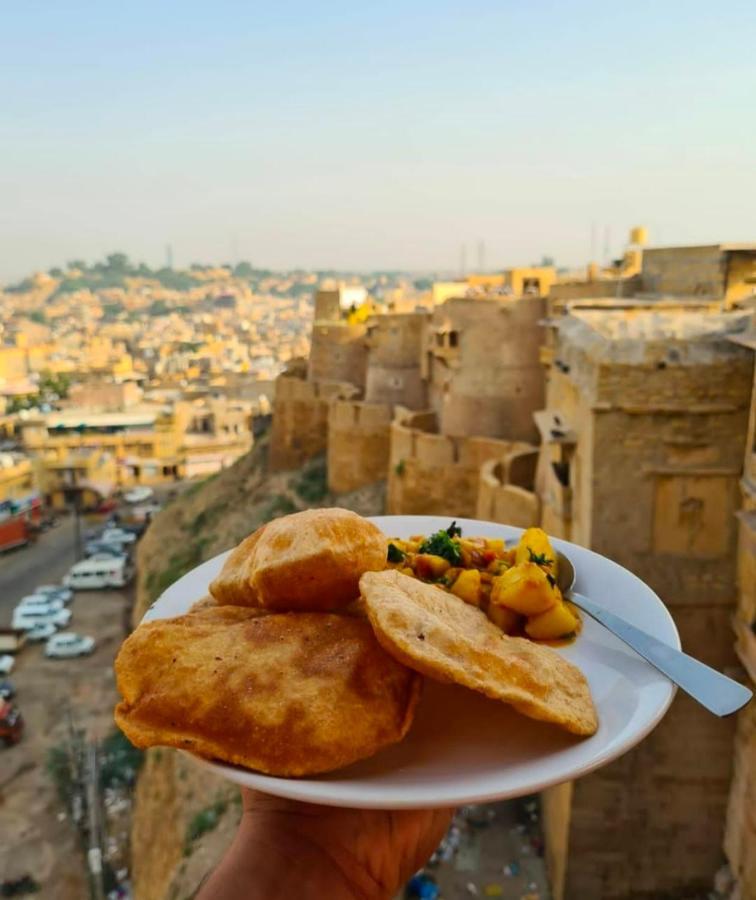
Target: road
(45,562)
(38,838)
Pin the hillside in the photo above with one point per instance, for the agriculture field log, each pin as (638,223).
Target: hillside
(183,818)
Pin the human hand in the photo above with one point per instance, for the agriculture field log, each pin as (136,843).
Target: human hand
(284,848)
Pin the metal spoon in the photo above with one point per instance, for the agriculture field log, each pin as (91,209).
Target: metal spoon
(718,693)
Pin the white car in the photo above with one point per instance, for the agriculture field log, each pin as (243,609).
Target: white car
(106,556)
(116,536)
(68,644)
(138,494)
(41,632)
(55,592)
(25,619)
(6,664)
(39,601)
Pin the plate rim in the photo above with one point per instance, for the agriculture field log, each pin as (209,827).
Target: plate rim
(292,788)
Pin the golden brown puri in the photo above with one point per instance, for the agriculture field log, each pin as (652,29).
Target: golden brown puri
(207,602)
(310,560)
(447,639)
(286,694)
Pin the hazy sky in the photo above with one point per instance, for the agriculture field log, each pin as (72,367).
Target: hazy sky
(371,135)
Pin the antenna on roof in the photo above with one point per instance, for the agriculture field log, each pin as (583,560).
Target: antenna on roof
(481,256)
(168,256)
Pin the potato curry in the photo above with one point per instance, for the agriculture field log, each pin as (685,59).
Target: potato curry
(516,587)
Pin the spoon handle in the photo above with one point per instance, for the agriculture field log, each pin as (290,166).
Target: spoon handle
(718,693)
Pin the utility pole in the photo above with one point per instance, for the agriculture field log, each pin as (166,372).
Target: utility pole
(78,549)
(94,852)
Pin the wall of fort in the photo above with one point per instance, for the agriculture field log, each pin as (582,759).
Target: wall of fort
(395,347)
(740,831)
(650,445)
(684,270)
(483,366)
(506,491)
(437,474)
(338,352)
(300,419)
(358,444)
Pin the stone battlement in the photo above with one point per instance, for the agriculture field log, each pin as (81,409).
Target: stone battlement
(437,474)
(300,418)
(358,443)
(506,490)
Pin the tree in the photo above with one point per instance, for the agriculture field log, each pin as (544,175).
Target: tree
(56,272)
(243,270)
(54,385)
(38,316)
(118,262)
(76,264)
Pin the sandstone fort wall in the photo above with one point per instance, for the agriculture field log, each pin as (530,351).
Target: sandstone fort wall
(338,352)
(436,474)
(300,419)
(485,373)
(358,444)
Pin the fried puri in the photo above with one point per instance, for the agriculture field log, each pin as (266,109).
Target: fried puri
(311,560)
(445,638)
(286,694)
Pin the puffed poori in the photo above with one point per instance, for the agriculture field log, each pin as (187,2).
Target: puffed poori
(287,694)
(310,560)
(447,639)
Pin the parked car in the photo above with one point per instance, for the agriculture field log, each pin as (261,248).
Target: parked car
(11,723)
(68,644)
(135,528)
(138,494)
(57,591)
(92,547)
(41,632)
(96,574)
(11,640)
(28,618)
(117,536)
(6,664)
(40,601)
(7,690)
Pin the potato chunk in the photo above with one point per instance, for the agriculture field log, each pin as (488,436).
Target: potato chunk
(535,546)
(507,619)
(429,566)
(525,588)
(555,623)
(467,586)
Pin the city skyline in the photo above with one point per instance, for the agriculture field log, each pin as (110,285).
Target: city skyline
(371,139)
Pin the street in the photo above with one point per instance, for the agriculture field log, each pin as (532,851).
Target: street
(39,840)
(44,562)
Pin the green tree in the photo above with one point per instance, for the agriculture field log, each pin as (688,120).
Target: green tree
(118,262)
(243,270)
(54,384)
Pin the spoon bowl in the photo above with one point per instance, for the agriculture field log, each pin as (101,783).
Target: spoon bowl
(565,574)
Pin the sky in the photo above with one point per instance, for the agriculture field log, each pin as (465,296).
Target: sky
(368,136)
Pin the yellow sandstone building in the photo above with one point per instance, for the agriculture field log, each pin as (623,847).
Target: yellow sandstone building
(615,409)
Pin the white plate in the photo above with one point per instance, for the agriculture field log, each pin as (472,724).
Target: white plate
(464,748)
